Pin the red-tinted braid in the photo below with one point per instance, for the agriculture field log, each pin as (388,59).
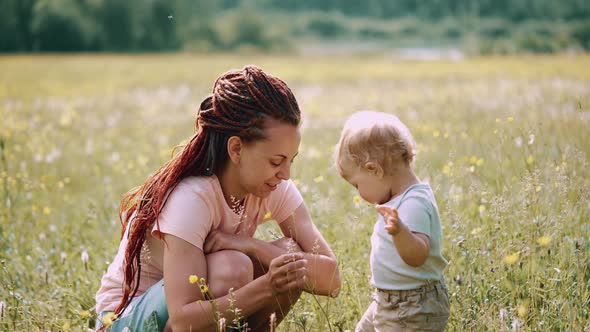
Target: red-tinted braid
(240,101)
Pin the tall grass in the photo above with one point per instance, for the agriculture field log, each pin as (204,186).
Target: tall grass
(502,141)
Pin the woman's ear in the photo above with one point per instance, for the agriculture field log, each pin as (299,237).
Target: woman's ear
(374,169)
(234,149)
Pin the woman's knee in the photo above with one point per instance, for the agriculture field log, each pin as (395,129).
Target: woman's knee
(228,269)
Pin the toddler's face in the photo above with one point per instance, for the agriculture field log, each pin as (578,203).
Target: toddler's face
(371,188)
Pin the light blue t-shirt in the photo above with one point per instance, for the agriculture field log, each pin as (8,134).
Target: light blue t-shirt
(418,210)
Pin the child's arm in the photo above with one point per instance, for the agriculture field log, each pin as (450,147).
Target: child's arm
(412,247)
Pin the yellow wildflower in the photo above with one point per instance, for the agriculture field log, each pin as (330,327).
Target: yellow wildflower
(357,200)
(511,259)
(479,162)
(193,279)
(436,133)
(318,179)
(267,215)
(544,241)
(530,160)
(446,169)
(108,318)
(46,210)
(84,313)
(521,310)
(66,326)
(204,288)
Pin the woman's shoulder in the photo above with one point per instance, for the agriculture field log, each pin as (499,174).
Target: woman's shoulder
(204,188)
(198,184)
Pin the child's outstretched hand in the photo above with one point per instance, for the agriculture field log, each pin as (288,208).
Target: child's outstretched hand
(393,225)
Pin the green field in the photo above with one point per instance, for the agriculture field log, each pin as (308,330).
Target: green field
(503,142)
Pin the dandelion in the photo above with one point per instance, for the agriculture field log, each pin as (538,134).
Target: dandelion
(193,279)
(46,210)
(267,215)
(84,313)
(318,179)
(511,259)
(509,119)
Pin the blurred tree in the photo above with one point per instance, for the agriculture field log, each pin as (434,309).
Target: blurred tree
(117,24)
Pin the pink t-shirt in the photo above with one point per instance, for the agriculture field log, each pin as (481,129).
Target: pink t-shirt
(195,207)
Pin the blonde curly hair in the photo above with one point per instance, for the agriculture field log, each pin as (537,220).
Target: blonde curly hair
(377,137)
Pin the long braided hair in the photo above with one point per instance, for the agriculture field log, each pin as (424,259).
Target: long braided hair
(240,102)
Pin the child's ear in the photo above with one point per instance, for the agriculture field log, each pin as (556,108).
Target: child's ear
(373,168)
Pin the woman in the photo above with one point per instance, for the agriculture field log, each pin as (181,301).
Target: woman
(196,216)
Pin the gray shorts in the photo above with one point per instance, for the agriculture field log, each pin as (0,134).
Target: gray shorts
(423,309)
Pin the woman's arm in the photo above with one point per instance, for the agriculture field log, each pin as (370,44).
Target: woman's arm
(323,274)
(186,306)
(323,277)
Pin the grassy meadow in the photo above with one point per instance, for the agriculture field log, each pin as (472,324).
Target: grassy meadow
(502,141)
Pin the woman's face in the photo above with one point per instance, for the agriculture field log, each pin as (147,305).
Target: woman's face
(265,163)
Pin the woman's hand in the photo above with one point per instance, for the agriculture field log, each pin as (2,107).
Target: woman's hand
(217,240)
(393,224)
(287,272)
